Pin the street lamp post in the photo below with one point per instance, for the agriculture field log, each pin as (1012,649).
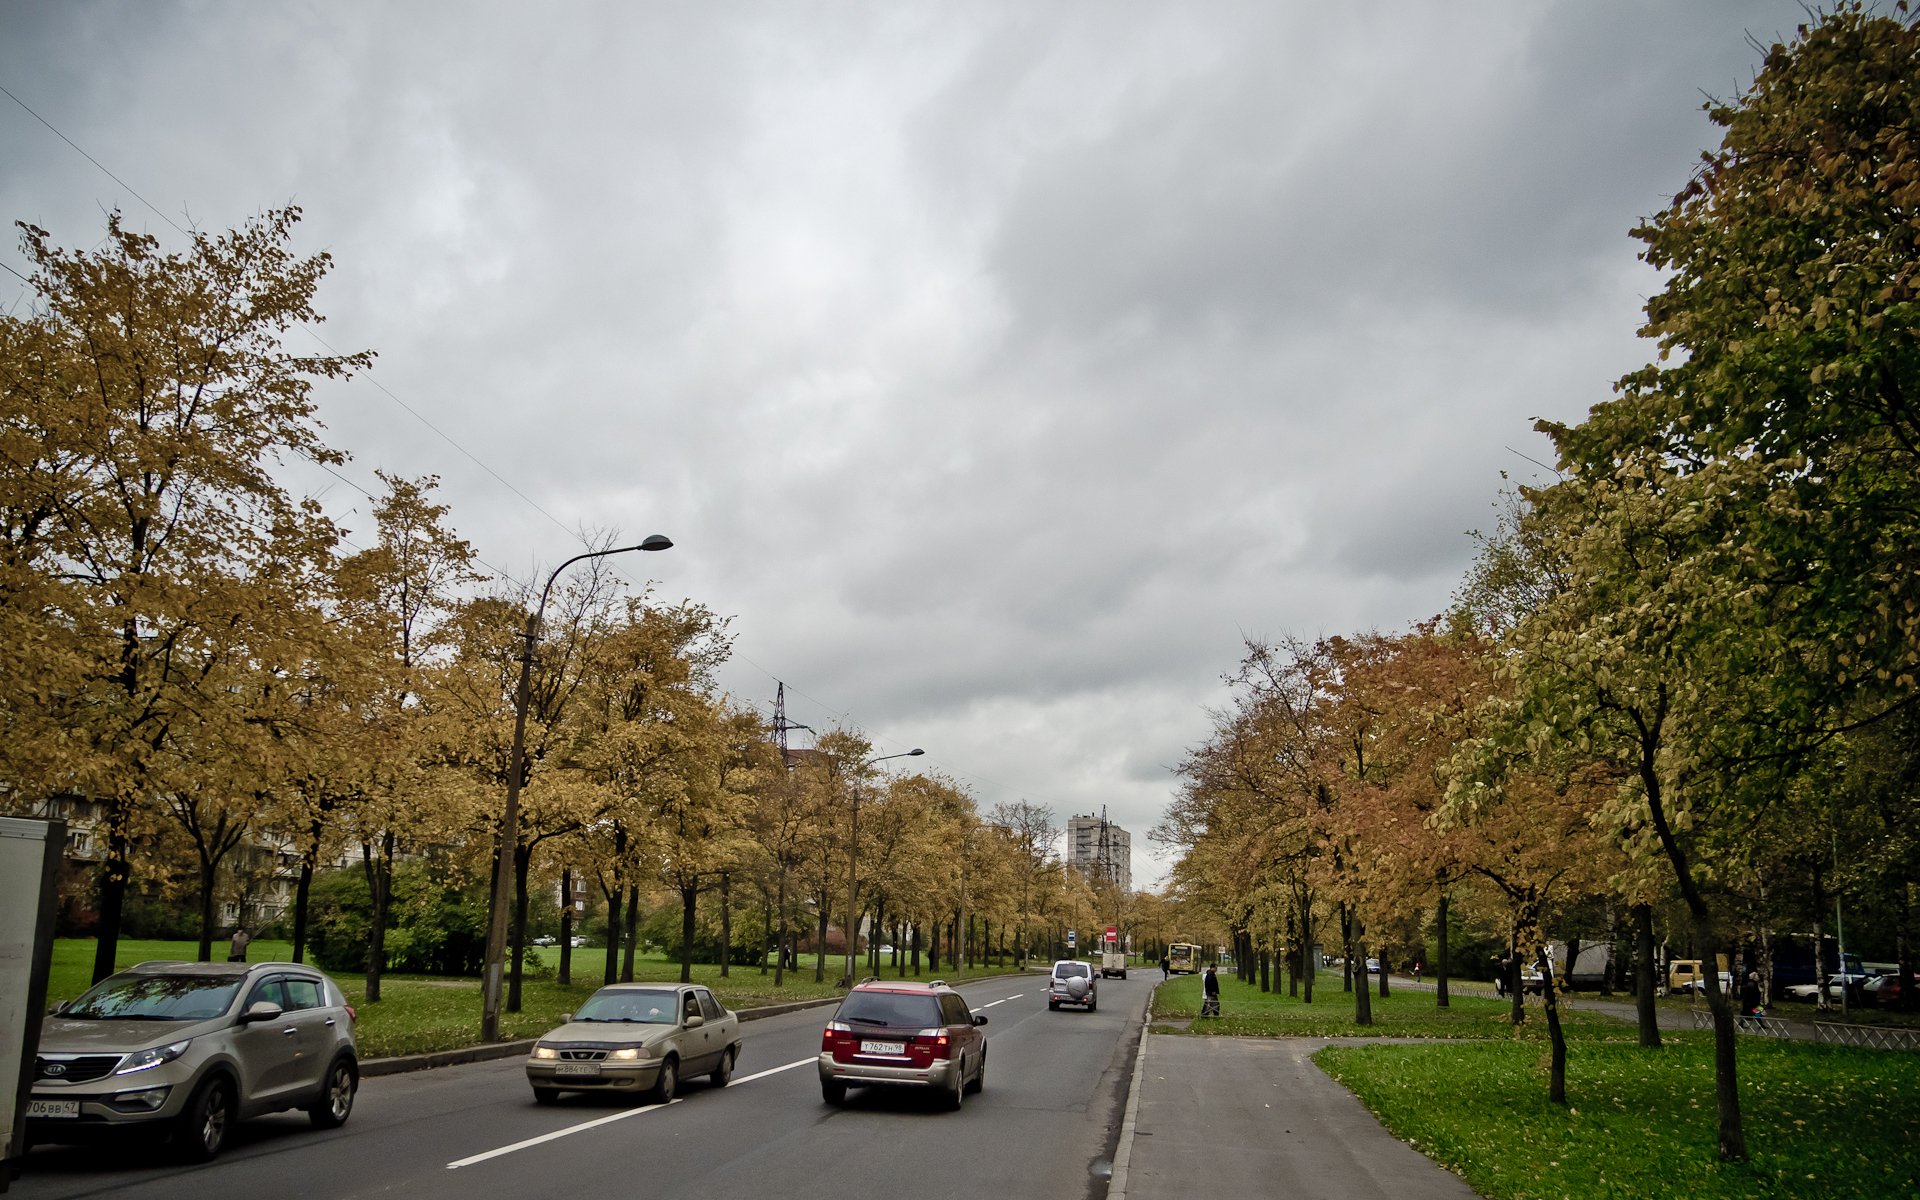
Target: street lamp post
(510,819)
(853,857)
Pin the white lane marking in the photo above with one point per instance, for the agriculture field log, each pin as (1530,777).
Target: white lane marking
(558,1133)
(620,1116)
(799,1062)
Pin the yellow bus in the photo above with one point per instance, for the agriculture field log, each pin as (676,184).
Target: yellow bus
(1184,958)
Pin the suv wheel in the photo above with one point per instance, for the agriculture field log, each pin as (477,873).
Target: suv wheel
(833,1091)
(668,1083)
(203,1127)
(336,1096)
(958,1096)
(979,1083)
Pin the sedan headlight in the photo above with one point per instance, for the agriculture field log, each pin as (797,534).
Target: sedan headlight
(141,1060)
(629,1054)
(545,1052)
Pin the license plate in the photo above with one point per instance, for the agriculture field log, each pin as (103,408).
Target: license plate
(883,1047)
(53,1108)
(577,1069)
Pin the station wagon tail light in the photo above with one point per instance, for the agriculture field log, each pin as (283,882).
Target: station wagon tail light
(353,1018)
(933,1037)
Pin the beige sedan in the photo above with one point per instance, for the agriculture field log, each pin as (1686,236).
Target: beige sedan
(637,1038)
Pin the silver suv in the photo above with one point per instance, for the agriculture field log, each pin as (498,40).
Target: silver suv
(185,1049)
(1072,982)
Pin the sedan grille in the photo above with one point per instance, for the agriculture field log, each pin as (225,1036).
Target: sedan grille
(78,1069)
(583,1055)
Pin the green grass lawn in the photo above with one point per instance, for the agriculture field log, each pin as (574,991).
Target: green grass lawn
(1821,1121)
(418,1014)
(1246,1011)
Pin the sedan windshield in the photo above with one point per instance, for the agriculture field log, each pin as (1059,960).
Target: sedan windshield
(155,998)
(890,1008)
(649,1007)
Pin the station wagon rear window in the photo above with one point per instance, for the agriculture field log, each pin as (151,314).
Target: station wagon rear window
(890,1009)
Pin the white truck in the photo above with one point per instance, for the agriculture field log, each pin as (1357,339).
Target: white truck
(1113,958)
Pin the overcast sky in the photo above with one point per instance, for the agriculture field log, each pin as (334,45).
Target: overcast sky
(997,366)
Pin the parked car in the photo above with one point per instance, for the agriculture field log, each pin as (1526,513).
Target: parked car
(579,942)
(1882,991)
(1373,966)
(187,1049)
(546,941)
(1072,982)
(1685,976)
(1836,984)
(636,1039)
(902,1033)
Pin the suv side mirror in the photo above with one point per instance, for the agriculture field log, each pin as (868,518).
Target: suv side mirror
(695,1021)
(979,1018)
(261,1010)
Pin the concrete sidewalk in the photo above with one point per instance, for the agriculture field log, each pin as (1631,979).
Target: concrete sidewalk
(1254,1117)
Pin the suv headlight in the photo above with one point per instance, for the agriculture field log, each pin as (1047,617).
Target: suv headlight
(141,1060)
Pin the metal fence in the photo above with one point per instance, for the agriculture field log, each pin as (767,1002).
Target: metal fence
(1873,1037)
(1757,1026)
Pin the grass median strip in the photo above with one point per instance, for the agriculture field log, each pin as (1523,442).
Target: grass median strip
(1822,1121)
(1246,1011)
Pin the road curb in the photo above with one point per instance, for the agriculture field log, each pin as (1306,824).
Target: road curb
(371,1068)
(1123,1153)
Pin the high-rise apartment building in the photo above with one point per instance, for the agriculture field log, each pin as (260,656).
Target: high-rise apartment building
(1096,845)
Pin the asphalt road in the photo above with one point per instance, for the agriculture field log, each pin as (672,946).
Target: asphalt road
(1044,1126)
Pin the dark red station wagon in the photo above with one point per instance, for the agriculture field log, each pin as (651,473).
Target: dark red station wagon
(903,1034)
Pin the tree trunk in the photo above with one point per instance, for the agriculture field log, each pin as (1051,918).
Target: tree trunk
(1644,978)
(1346,940)
(766,933)
(780,948)
(206,908)
(726,922)
(300,894)
(1613,950)
(1557,1076)
(522,861)
(613,895)
(1442,963)
(114,874)
(688,897)
(1384,989)
(1357,957)
(1306,951)
(933,949)
(567,926)
(379,871)
(914,932)
(633,933)
(820,948)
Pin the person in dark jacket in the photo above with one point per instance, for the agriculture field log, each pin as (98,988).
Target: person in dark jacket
(1210,985)
(1750,994)
(1166,968)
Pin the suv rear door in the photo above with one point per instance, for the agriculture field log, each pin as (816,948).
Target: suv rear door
(966,1036)
(307,1010)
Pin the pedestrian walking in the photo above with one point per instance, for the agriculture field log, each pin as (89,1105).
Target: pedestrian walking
(1210,987)
(1505,976)
(1417,966)
(1750,994)
(237,947)
(1166,968)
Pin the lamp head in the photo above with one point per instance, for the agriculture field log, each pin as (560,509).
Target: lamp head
(915,751)
(658,541)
